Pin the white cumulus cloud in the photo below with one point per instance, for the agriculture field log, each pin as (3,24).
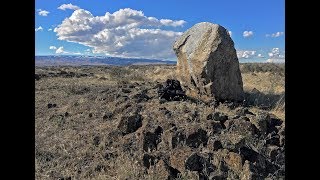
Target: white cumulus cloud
(230,33)
(68,6)
(60,50)
(50,29)
(52,47)
(247,34)
(124,33)
(38,29)
(245,54)
(260,56)
(43,12)
(274,35)
(275,56)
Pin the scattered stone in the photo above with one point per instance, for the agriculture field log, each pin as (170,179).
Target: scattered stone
(272,152)
(110,155)
(272,124)
(273,139)
(217,116)
(196,138)
(129,124)
(90,115)
(173,173)
(261,122)
(141,97)
(171,91)
(242,111)
(107,116)
(208,63)
(100,168)
(66,114)
(254,157)
(217,126)
(217,145)
(50,105)
(148,160)
(96,141)
(152,139)
(198,163)
(37,77)
(179,138)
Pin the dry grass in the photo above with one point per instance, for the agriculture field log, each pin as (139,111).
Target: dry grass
(64,141)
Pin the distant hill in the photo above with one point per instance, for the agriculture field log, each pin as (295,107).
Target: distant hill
(94,60)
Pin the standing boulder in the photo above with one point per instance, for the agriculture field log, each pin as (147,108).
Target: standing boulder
(208,63)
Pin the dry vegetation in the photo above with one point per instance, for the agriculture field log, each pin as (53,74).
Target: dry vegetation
(78,110)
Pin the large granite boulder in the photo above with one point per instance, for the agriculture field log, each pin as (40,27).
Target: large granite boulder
(208,63)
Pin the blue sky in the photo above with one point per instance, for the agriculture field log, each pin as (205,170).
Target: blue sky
(147,29)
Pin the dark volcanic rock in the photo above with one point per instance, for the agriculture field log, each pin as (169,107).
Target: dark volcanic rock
(50,105)
(196,138)
(198,163)
(217,126)
(261,122)
(171,91)
(217,116)
(141,97)
(217,145)
(148,160)
(178,138)
(242,111)
(273,139)
(110,155)
(152,139)
(96,140)
(100,168)
(37,77)
(129,124)
(107,115)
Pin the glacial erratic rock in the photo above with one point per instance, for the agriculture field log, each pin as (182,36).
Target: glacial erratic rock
(207,62)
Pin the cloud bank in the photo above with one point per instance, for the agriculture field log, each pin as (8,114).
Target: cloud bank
(124,33)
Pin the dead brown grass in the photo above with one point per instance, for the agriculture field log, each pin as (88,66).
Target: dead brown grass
(64,140)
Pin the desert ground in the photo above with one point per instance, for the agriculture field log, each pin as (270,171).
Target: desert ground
(107,122)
